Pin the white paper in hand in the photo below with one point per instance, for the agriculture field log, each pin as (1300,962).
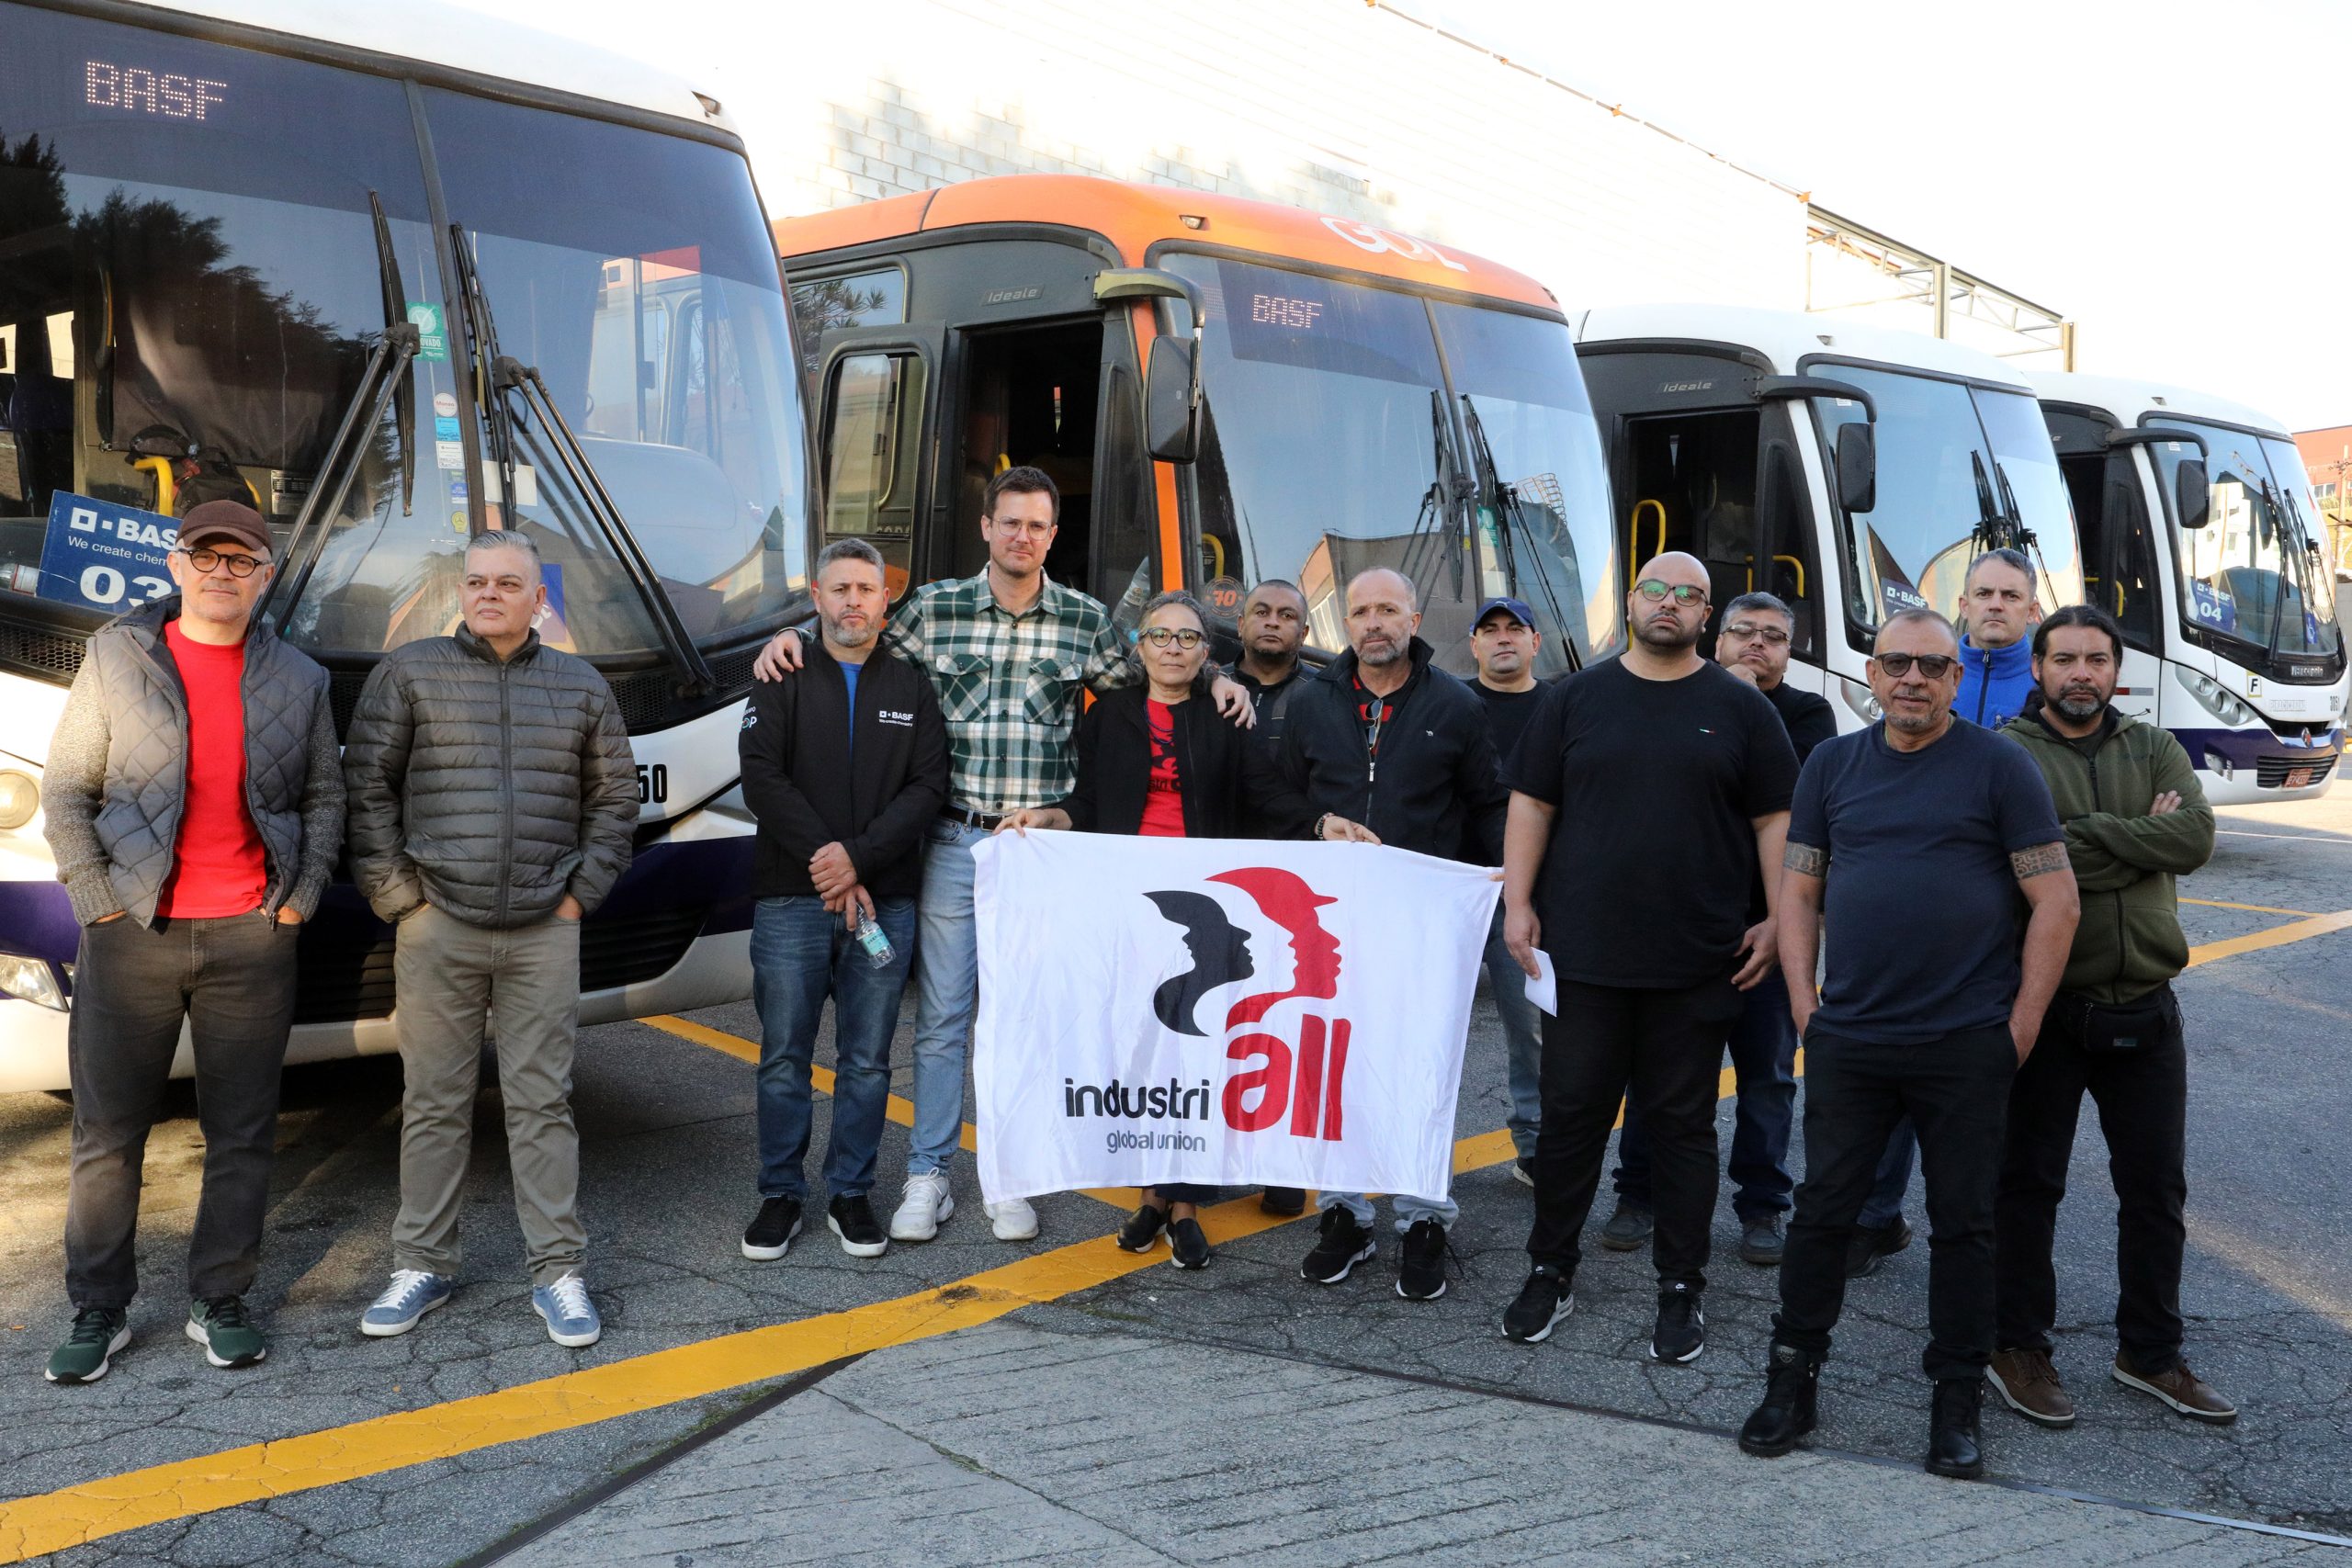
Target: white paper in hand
(1543,988)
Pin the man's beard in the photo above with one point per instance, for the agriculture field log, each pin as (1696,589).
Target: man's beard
(2079,705)
(1913,723)
(1669,634)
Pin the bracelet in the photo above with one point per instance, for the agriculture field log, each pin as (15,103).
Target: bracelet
(1321,822)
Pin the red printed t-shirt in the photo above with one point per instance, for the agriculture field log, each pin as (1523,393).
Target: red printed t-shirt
(218,869)
(1163,804)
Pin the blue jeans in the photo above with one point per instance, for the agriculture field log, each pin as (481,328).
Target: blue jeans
(1522,1039)
(947,993)
(1763,1058)
(1894,1177)
(800,954)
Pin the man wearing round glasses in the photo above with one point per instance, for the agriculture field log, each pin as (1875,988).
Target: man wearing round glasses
(195,806)
(1648,794)
(1927,1006)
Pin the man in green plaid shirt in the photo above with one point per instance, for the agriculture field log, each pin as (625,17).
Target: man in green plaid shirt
(1008,652)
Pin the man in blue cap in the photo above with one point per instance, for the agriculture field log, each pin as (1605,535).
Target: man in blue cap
(1504,641)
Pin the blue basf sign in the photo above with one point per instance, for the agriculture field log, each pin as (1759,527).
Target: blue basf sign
(105,556)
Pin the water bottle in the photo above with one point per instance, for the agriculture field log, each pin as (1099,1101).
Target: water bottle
(876,942)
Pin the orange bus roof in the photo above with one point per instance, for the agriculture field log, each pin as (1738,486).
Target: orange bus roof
(1134,217)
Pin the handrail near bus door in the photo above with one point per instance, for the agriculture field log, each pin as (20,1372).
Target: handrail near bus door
(1634,567)
(386,366)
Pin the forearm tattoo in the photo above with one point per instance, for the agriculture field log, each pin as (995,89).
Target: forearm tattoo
(1805,860)
(2039,861)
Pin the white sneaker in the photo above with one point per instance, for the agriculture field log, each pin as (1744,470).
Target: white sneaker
(924,1208)
(1014,1220)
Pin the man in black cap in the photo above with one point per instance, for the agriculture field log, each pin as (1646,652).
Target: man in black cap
(1504,641)
(195,807)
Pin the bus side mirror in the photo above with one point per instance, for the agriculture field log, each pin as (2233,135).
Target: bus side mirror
(1171,400)
(1857,468)
(2193,496)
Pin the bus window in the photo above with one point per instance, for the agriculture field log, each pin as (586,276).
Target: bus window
(872,445)
(1695,490)
(858,299)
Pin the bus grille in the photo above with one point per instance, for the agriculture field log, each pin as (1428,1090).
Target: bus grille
(344,979)
(2270,772)
(45,656)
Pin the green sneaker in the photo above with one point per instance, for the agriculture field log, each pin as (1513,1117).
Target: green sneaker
(98,1332)
(228,1335)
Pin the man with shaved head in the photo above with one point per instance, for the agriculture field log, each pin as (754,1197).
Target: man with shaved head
(1648,792)
(1912,839)
(1384,748)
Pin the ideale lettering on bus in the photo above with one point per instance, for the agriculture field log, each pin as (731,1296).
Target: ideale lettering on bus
(134,88)
(1010,296)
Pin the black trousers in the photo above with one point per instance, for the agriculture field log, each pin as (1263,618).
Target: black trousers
(2142,1099)
(1956,1091)
(232,980)
(1665,1048)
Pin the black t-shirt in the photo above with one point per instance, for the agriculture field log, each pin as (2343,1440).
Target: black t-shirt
(1507,715)
(1922,904)
(1646,883)
(1808,715)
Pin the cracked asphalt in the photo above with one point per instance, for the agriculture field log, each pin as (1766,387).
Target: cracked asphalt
(667,1143)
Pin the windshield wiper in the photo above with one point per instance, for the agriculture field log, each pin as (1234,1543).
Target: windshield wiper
(384,382)
(1437,520)
(1511,527)
(498,376)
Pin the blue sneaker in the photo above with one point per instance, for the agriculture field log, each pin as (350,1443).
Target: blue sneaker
(570,1316)
(410,1296)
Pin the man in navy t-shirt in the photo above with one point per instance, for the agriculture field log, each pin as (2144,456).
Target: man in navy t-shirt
(1916,838)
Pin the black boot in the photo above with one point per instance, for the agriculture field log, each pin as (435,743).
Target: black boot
(1955,1445)
(1787,1413)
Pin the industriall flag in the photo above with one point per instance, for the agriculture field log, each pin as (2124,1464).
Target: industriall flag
(1229,1011)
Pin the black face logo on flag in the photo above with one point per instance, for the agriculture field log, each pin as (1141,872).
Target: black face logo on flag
(1220,953)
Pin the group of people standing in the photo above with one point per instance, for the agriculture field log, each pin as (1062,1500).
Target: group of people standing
(1678,834)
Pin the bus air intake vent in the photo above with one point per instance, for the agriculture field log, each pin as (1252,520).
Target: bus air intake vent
(2270,772)
(45,656)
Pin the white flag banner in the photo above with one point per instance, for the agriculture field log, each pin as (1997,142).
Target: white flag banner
(1227,1012)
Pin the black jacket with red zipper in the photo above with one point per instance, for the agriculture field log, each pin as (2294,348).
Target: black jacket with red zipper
(809,787)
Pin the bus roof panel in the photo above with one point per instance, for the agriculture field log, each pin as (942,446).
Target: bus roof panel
(1134,217)
(1787,337)
(2130,400)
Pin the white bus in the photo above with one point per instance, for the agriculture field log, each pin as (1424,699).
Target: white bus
(2199,535)
(381,268)
(1852,470)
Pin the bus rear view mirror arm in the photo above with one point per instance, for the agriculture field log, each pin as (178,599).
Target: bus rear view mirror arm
(1816,387)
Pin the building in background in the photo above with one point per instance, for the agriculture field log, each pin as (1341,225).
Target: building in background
(2327,458)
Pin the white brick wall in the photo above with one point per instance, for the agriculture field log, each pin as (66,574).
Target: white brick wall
(1334,105)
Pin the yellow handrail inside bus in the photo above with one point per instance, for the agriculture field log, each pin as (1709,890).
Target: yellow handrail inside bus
(1216,553)
(1634,567)
(164,490)
(1778,560)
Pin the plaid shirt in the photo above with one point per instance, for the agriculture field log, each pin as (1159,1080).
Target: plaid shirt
(1007,684)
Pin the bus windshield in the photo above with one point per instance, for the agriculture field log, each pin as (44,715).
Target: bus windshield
(1334,443)
(2254,573)
(1953,459)
(189,265)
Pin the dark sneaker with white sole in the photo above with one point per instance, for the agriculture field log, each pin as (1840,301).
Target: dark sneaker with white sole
(1629,1227)
(1871,1245)
(1682,1330)
(852,1219)
(769,1236)
(226,1331)
(88,1350)
(1141,1233)
(2028,1384)
(1542,1303)
(2180,1388)
(1342,1244)
(1188,1245)
(1421,1271)
(1760,1241)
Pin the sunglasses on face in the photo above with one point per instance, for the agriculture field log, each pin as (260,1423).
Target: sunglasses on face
(1932,665)
(239,566)
(1651,589)
(1184,638)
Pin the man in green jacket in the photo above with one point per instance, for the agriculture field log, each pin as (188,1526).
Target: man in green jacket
(2136,819)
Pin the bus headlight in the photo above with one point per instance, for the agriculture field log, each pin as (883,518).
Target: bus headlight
(2210,696)
(1859,698)
(19,797)
(31,980)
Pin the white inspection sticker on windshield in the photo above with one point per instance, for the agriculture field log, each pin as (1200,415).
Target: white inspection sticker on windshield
(450,454)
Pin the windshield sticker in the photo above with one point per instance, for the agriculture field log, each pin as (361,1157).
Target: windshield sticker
(425,317)
(2207,608)
(549,621)
(449,455)
(1895,592)
(104,557)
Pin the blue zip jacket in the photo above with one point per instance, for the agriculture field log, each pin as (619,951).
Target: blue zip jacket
(1994,683)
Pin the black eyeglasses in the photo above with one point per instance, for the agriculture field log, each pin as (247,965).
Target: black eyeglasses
(1185,638)
(239,566)
(1685,595)
(1932,665)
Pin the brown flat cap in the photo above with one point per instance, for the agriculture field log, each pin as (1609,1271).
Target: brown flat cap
(230,519)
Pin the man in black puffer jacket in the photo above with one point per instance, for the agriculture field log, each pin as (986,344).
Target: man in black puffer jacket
(492,798)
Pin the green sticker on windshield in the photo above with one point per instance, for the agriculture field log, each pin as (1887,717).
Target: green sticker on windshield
(425,317)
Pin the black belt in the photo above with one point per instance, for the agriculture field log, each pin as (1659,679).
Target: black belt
(984,820)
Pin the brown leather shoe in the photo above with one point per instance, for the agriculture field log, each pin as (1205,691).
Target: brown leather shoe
(2181,1388)
(2028,1384)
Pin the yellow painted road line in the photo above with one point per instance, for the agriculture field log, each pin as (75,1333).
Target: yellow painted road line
(2276,936)
(2254,908)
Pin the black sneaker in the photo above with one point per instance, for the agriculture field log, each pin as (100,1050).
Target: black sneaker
(1543,1302)
(769,1237)
(1523,1170)
(1288,1202)
(1341,1246)
(1870,1244)
(1681,1331)
(1188,1243)
(1420,1274)
(852,1219)
(1142,1229)
(1760,1241)
(1629,1227)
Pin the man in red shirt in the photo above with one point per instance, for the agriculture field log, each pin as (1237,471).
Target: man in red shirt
(194,804)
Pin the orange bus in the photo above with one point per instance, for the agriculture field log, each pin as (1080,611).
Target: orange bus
(1225,390)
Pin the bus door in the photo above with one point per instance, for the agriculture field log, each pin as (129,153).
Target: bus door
(2105,484)
(877,422)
